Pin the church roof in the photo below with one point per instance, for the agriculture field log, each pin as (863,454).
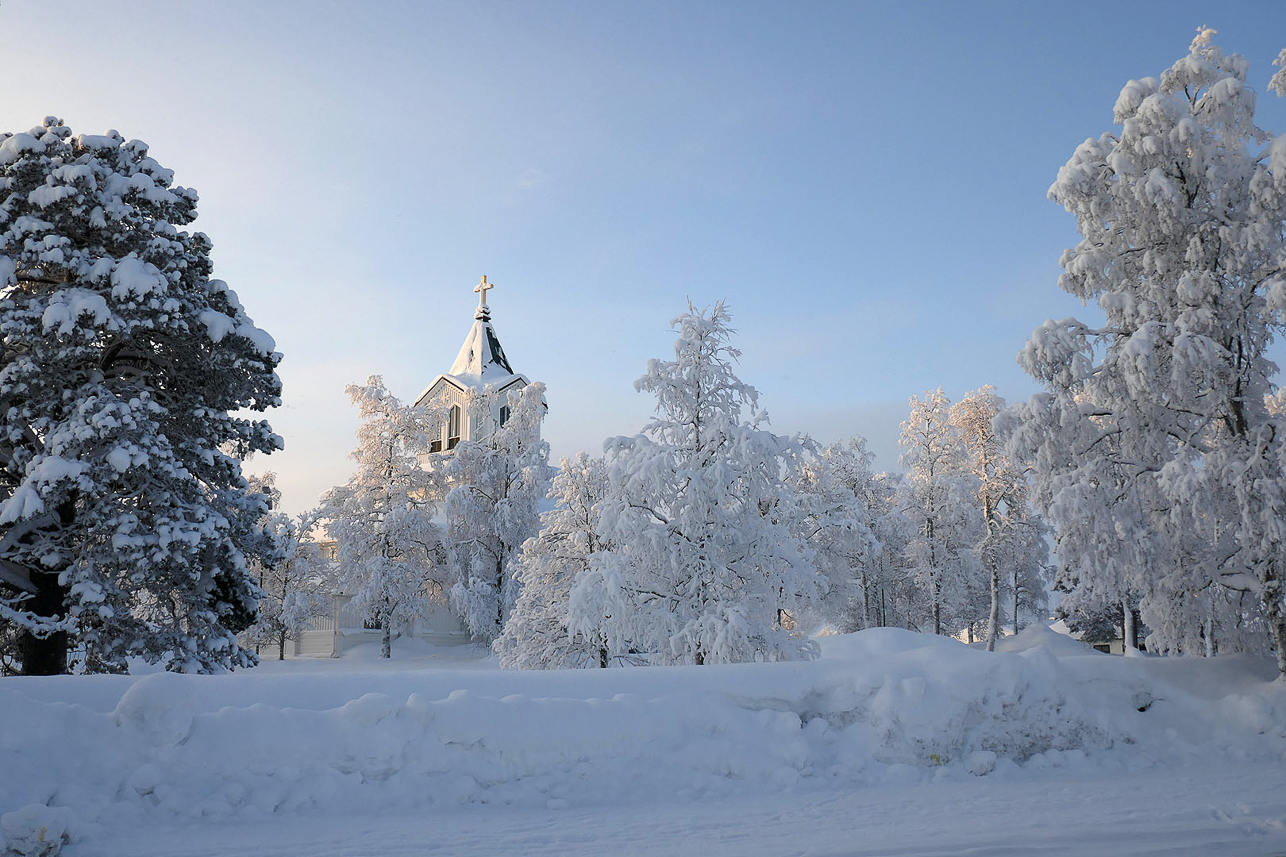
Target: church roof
(481,356)
(481,361)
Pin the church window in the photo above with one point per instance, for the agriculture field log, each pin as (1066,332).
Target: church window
(504,414)
(453,427)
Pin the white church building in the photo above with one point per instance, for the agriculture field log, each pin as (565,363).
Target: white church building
(481,363)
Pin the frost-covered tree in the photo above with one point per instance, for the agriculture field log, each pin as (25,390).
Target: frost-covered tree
(1156,457)
(389,548)
(497,481)
(938,496)
(537,634)
(832,511)
(1012,550)
(702,569)
(894,597)
(298,587)
(126,374)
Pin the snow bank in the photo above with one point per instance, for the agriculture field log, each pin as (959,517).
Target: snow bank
(882,706)
(36,830)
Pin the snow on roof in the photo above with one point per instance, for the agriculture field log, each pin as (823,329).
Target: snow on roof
(481,361)
(481,355)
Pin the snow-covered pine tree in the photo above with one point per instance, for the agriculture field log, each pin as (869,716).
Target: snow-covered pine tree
(537,634)
(1012,549)
(938,496)
(1157,459)
(389,549)
(832,513)
(125,520)
(702,571)
(497,481)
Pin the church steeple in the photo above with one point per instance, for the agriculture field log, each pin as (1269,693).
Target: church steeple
(481,363)
(481,359)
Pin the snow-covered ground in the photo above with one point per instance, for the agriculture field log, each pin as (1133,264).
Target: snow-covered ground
(892,743)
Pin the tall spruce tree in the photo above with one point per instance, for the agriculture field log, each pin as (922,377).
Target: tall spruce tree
(126,523)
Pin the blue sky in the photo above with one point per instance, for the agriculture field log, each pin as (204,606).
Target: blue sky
(863,183)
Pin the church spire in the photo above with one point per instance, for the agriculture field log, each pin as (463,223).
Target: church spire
(481,359)
(481,363)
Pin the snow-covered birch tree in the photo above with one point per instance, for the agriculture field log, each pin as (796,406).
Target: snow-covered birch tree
(390,550)
(830,493)
(894,596)
(125,522)
(1012,549)
(938,496)
(298,587)
(538,634)
(702,570)
(1157,459)
(497,481)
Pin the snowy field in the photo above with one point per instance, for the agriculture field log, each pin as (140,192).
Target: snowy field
(892,743)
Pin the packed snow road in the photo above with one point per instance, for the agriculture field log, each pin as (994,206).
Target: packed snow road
(1231,812)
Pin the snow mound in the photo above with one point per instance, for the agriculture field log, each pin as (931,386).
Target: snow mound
(36,830)
(159,708)
(1040,636)
(880,707)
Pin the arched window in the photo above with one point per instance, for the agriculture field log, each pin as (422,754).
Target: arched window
(504,414)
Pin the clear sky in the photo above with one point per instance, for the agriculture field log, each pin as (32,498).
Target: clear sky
(863,183)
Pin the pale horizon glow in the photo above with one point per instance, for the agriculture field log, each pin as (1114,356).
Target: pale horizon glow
(864,184)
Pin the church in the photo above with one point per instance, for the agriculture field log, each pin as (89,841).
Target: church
(480,363)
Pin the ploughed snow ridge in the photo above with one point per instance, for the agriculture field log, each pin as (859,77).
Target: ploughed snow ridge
(96,754)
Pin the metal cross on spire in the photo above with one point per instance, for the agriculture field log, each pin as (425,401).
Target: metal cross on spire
(482,288)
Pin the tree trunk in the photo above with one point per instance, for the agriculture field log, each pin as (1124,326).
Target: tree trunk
(386,638)
(602,658)
(1275,611)
(45,655)
(993,618)
(1128,632)
(1209,630)
(937,609)
(866,600)
(48,655)
(1015,599)
(281,646)
(500,597)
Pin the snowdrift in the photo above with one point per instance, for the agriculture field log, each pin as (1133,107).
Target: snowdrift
(85,755)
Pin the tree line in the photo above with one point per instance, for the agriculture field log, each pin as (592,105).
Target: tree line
(1154,461)
(704,538)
